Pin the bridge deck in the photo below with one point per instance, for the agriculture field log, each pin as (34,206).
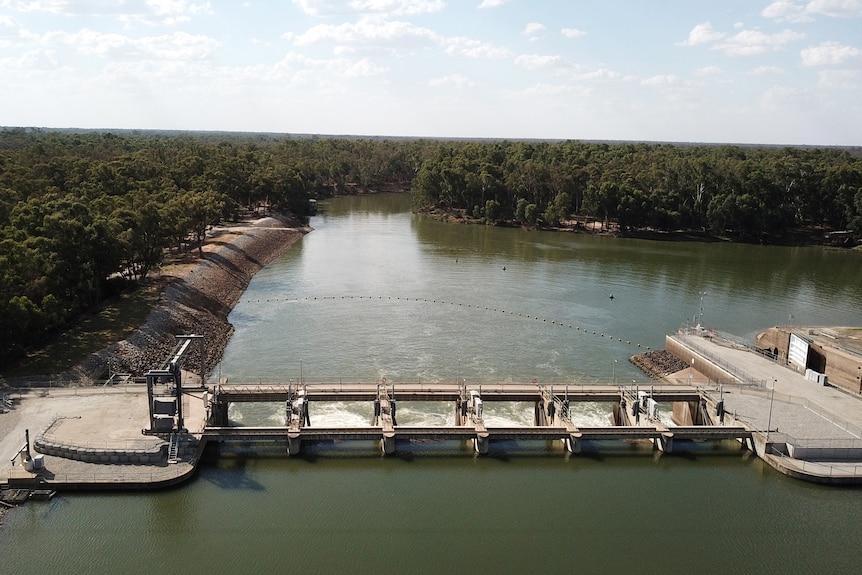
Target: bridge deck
(276,392)
(466,432)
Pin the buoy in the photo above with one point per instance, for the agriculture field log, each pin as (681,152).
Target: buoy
(611,296)
(504,268)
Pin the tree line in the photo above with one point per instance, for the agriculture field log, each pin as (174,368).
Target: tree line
(85,214)
(747,193)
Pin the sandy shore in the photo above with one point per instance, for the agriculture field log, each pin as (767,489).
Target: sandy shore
(200,292)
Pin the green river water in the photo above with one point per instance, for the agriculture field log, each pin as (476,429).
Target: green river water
(377,292)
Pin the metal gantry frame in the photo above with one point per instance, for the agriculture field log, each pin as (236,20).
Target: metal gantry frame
(170,373)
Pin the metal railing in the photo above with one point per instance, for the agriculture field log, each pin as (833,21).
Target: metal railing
(116,475)
(831,469)
(741,375)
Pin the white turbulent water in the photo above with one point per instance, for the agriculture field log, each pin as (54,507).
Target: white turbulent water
(425,413)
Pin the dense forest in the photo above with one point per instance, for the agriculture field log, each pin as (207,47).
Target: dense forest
(746,193)
(86,214)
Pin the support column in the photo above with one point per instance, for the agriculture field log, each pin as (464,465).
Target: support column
(481,444)
(387,443)
(573,443)
(294,443)
(665,443)
(219,414)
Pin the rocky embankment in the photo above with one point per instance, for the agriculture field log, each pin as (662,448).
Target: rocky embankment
(658,363)
(197,299)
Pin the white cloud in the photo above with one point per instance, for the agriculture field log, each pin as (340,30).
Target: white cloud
(457,80)
(151,12)
(493,3)
(176,46)
(364,68)
(597,75)
(836,8)
(176,11)
(9,31)
(831,54)
(296,67)
(387,7)
(762,71)
(372,32)
(545,90)
(320,7)
(536,61)
(475,49)
(49,6)
(786,11)
(708,71)
(533,28)
(30,61)
(366,31)
(790,11)
(749,42)
(397,7)
(702,34)
(572,33)
(660,80)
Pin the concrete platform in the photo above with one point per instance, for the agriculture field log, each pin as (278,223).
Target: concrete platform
(90,438)
(804,429)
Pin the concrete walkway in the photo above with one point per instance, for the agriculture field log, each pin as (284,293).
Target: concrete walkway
(790,387)
(804,429)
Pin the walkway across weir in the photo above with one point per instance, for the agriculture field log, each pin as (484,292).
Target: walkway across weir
(630,418)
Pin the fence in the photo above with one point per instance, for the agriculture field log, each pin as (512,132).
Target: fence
(688,338)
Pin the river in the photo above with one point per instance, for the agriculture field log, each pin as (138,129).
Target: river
(378,292)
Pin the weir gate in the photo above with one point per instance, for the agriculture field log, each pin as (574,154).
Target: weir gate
(634,415)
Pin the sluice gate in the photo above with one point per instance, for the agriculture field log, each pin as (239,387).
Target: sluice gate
(634,415)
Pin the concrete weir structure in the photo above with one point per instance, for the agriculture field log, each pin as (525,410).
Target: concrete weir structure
(551,405)
(152,434)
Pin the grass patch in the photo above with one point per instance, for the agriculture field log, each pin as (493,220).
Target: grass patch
(114,321)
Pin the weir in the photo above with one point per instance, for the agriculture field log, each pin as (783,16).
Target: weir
(634,414)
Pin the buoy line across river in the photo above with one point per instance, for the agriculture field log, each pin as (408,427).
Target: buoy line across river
(492,309)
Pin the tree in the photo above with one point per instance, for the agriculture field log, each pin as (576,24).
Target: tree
(203,209)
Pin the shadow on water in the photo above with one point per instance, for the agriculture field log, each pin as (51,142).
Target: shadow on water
(230,471)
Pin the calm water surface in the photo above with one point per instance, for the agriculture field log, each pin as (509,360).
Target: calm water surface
(378,292)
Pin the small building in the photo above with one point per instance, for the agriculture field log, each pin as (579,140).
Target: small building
(830,355)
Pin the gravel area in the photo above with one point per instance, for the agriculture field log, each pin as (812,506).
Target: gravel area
(658,363)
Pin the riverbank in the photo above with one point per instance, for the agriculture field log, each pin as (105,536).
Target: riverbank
(198,291)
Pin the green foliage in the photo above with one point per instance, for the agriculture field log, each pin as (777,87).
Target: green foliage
(747,192)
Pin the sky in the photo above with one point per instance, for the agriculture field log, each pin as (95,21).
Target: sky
(722,71)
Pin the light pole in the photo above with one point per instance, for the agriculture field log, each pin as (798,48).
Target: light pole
(700,320)
(769,421)
(614,372)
